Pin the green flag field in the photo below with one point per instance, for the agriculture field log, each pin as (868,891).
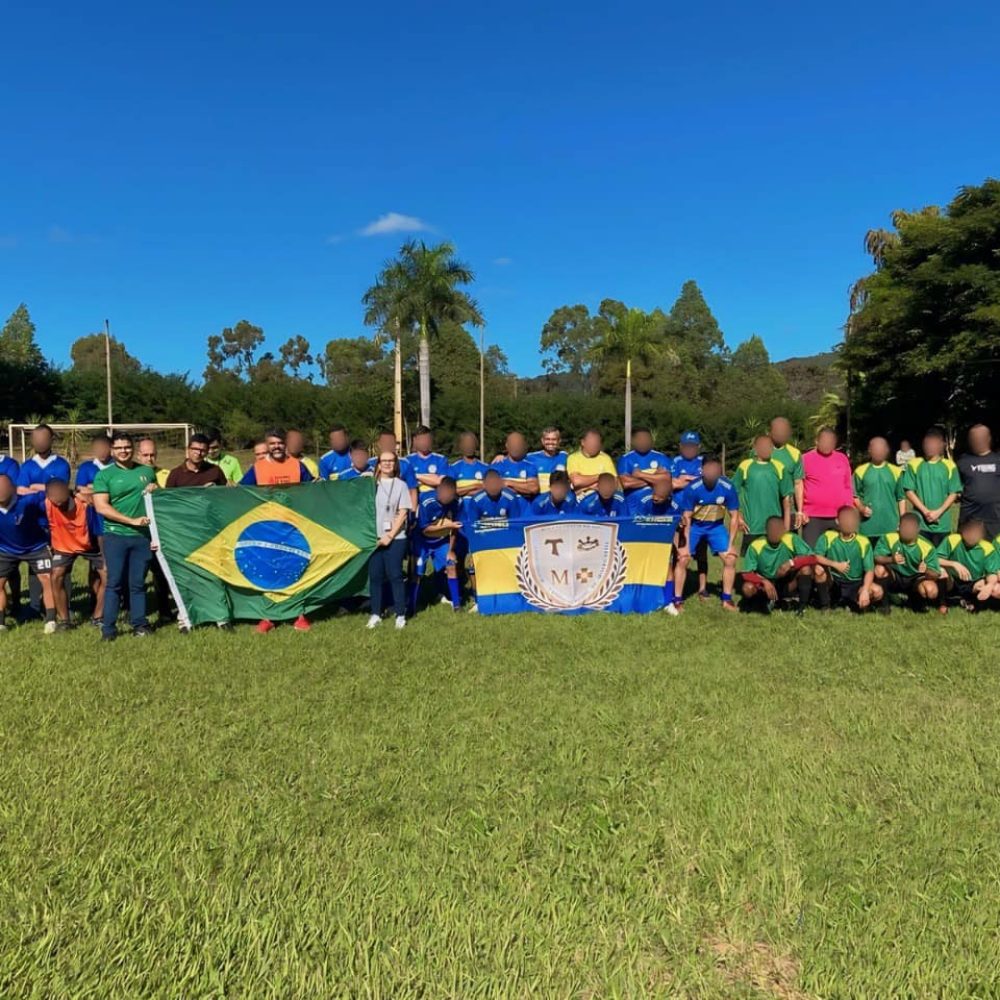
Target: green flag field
(609,806)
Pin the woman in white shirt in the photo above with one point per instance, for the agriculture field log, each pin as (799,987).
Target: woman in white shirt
(392,504)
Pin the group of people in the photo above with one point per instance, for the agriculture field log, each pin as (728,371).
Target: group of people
(808,527)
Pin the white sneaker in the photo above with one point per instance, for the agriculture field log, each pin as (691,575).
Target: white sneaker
(374,621)
(447,600)
(400,621)
(671,609)
(50,628)
(473,608)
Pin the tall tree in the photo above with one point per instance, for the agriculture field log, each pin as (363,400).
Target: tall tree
(922,341)
(420,289)
(295,355)
(698,339)
(568,339)
(234,350)
(17,340)
(628,335)
(88,354)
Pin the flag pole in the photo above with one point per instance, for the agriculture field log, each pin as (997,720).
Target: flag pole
(107,368)
(397,408)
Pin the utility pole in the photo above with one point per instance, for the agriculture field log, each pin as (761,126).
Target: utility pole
(397,409)
(482,391)
(107,367)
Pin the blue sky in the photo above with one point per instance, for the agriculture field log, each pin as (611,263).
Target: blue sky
(177,168)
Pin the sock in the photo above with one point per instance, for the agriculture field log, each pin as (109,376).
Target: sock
(885,595)
(727,598)
(824,594)
(805,588)
(668,593)
(50,614)
(454,592)
(414,594)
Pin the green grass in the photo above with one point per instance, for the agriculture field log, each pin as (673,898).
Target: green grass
(596,807)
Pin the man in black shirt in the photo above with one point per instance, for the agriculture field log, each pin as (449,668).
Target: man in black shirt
(980,472)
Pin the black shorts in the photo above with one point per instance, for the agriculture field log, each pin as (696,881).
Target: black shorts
(748,540)
(846,591)
(964,589)
(39,562)
(907,585)
(934,537)
(93,559)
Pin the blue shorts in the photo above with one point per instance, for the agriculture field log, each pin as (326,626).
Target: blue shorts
(715,531)
(435,556)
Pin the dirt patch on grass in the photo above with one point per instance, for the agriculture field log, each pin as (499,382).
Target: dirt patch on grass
(757,965)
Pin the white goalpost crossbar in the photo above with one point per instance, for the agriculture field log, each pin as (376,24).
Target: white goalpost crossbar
(21,433)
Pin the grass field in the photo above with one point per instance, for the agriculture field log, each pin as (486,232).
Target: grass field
(596,807)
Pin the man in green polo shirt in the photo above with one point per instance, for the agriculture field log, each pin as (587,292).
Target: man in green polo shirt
(229,464)
(119,497)
(932,485)
(878,492)
(776,567)
(764,487)
(971,565)
(906,563)
(845,568)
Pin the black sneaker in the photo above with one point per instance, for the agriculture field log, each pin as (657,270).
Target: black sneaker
(108,638)
(96,622)
(141,632)
(65,626)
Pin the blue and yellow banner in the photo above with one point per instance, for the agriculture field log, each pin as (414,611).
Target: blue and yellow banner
(571,567)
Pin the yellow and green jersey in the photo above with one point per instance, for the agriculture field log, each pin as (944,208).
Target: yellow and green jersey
(932,479)
(855,550)
(791,458)
(761,487)
(980,560)
(879,487)
(913,553)
(767,559)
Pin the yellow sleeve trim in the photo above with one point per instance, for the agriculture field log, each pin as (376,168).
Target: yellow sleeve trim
(862,469)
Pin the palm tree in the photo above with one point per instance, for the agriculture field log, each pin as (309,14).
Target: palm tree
(418,290)
(630,335)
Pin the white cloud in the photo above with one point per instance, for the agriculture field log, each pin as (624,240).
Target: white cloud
(394,222)
(502,261)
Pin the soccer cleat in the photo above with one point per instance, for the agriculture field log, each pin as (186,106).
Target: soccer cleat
(374,621)
(65,626)
(50,627)
(3,627)
(473,608)
(302,624)
(96,622)
(728,606)
(400,621)
(142,632)
(447,600)
(672,610)
(264,626)
(224,626)
(704,595)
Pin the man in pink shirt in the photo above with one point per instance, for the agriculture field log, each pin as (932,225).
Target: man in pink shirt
(826,485)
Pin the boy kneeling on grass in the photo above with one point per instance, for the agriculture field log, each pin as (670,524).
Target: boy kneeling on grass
(777,567)
(906,563)
(845,571)
(971,567)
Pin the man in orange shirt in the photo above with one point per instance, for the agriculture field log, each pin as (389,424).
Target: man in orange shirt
(75,530)
(279,468)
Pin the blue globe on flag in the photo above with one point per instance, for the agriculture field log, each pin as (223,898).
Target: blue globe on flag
(272,555)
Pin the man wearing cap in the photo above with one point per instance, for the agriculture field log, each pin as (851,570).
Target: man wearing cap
(642,466)
(686,466)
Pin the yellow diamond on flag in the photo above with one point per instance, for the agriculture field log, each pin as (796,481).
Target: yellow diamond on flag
(274,550)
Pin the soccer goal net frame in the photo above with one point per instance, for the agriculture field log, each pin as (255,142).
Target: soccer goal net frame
(19,435)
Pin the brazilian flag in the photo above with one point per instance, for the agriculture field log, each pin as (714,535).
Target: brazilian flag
(252,552)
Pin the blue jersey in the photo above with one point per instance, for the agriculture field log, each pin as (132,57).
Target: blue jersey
(546,508)
(650,462)
(333,463)
(23,527)
(353,473)
(9,467)
(86,472)
(710,505)
(511,468)
(481,506)
(430,510)
(642,504)
(546,464)
(468,472)
(38,471)
(682,466)
(593,506)
(431,464)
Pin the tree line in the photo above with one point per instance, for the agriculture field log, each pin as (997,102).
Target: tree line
(921,345)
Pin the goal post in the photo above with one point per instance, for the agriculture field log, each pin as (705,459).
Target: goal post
(73,440)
